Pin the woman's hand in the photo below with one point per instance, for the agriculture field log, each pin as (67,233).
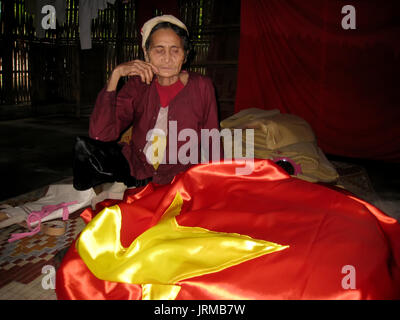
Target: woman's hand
(137,68)
(140,68)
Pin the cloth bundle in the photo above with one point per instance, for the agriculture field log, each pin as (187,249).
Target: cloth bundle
(279,135)
(89,10)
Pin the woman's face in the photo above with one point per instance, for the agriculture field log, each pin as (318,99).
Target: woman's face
(166,52)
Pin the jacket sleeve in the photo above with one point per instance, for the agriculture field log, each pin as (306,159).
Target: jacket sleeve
(113,113)
(210,120)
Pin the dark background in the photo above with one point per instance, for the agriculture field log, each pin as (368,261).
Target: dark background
(48,85)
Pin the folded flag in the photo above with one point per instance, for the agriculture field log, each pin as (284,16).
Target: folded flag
(212,234)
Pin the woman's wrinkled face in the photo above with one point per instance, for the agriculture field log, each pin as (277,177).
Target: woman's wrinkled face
(166,52)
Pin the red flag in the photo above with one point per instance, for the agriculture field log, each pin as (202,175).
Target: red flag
(339,247)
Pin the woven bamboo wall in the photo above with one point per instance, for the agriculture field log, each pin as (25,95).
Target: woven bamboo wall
(50,70)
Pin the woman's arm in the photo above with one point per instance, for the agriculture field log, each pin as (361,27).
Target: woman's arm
(114,112)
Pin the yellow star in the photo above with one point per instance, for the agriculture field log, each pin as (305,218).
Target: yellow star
(164,254)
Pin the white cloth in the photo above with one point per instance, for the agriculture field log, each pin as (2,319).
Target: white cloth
(88,10)
(150,24)
(55,195)
(59,193)
(114,190)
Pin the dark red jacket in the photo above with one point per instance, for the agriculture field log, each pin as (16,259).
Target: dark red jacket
(138,104)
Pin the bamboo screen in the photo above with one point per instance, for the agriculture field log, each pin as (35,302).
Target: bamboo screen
(43,68)
(19,40)
(14,67)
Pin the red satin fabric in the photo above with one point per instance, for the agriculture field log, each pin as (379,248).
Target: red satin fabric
(296,57)
(325,228)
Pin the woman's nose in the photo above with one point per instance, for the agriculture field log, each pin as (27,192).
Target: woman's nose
(167,56)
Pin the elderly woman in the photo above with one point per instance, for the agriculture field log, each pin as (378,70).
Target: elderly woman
(159,101)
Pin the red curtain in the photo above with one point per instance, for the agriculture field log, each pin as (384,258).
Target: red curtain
(296,56)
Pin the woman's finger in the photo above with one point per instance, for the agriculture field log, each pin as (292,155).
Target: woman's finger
(149,73)
(153,68)
(140,68)
(142,72)
(139,71)
(143,76)
(126,69)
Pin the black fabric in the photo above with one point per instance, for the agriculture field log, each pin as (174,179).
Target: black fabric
(286,165)
(96,162)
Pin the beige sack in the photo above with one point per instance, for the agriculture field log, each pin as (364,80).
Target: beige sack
(283,135)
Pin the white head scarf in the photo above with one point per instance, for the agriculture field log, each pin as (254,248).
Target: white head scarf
(150,24)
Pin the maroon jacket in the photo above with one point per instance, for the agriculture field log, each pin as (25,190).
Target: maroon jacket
(138,104)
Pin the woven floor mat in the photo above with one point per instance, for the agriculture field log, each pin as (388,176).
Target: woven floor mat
(22,261)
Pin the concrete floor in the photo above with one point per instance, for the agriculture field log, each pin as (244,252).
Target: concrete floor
(35,152)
